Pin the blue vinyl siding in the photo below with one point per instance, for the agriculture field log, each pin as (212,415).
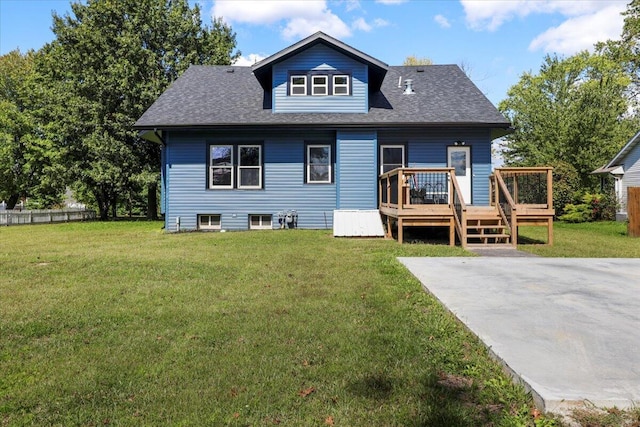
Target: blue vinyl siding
(357,170)
(316,58)
(284,187)
(428,148)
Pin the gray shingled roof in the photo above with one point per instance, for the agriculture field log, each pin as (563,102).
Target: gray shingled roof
(215,96)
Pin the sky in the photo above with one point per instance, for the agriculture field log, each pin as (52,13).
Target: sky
(495,41)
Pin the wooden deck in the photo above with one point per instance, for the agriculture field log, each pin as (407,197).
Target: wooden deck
(416,197)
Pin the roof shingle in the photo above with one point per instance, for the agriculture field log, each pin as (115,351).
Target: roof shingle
(214,96)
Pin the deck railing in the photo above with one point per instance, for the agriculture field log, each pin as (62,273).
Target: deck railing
(415,188)
(519,193)
(528,186)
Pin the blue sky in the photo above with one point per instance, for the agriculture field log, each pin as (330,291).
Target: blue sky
(496,41)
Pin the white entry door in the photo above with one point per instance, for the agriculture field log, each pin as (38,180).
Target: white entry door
(459,158)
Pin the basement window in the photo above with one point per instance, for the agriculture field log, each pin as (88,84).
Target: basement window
(260,222)
(209,222)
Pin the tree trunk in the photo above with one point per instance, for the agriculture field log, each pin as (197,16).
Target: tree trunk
(152,201)
(103,205)
(13,199)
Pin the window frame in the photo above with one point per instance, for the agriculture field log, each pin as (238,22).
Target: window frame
(329,77)
(212,167)
(346,85)
(307,162)
(261,225)
(240,167)
(292,86)
(381,158)
(209,226)
(325,85)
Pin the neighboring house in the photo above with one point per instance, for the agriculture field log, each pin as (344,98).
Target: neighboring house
(307,131)
(625,170)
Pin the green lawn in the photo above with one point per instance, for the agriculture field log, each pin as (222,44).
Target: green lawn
(605,239)
(120,324)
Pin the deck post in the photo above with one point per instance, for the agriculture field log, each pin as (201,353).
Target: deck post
(400,230)
(549,189)
(452,232)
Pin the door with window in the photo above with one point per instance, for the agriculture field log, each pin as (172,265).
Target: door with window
(459,158)
(391,157)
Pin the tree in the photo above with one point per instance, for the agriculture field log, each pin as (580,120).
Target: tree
(29,165)
(575,111)
(110,60)
(414,60)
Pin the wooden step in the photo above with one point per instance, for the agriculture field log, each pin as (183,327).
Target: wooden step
(486,227)
(489,245)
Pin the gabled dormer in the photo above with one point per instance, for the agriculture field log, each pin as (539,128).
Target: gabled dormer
(319,75)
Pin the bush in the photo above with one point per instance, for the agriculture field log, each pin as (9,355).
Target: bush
(594,207)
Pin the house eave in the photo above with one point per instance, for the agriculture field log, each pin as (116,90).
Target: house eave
(499,129)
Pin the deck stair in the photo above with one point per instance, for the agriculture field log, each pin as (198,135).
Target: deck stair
(485,227)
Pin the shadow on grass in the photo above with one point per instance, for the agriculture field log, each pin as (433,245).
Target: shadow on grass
(524,240)
(443,401)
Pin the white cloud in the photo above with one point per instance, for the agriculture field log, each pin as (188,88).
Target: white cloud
(249,60)
(379,22)
(442,21)
(571,36)
(391,1)
(361,24)
(585,22)
(302,18)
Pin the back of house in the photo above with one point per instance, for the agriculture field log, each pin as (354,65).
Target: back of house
(307,131)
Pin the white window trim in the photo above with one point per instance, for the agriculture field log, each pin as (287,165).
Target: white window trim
(262,225)
(291,85)
(345,85)
(309,147)
(212,168)
(382,147)
(325,85)
(241,168)
(209,226)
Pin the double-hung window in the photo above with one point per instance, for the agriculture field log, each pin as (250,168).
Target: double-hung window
(341,85)
(221,166)
(319,163)
(249,166)
(298,85)
(235,166)
(319,85)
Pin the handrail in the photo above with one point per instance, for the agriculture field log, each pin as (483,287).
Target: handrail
(459,209)
(510,219)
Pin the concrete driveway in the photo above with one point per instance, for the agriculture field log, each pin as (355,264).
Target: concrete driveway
(568,328)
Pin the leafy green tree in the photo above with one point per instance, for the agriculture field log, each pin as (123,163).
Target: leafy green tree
(574,111)
(110,60)
(29,163)
(414,60)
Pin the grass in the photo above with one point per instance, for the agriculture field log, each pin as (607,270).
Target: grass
(121,324)
(605,239)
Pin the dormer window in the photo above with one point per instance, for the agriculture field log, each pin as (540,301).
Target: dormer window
(341,85)
(298,85)
(320,85)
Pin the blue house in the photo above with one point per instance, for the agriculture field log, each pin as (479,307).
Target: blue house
(306,133)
